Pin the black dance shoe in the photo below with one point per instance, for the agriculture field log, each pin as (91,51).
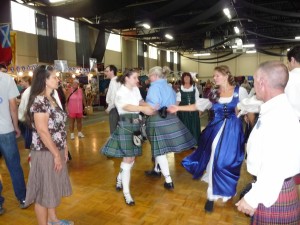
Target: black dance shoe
(169,186)
(152,173)
(209,206)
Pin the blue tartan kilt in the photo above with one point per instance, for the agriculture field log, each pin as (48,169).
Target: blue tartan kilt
(168,135)
(120,143)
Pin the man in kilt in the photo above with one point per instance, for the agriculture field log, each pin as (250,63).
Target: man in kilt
(165,131)
(292,89)
(273,152)
(129,103)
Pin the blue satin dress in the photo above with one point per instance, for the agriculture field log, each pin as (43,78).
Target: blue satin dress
(225,133)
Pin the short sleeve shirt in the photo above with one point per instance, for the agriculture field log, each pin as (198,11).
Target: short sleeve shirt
(8,91)
(125,96)
(56,124)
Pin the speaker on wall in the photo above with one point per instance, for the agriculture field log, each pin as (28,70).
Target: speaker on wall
(145,48)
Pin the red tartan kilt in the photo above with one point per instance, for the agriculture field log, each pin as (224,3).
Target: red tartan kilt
(297,179)
(286,210)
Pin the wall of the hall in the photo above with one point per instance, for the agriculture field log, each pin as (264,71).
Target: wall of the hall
(27,53)
(243,65)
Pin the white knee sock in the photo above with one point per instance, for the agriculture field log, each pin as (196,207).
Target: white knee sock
(126,169)
(162,161)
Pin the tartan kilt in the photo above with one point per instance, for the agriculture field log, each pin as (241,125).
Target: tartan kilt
(120,143)
(286,210)
(168,135)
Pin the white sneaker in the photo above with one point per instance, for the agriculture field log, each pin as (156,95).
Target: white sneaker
(80,135)
(72,136)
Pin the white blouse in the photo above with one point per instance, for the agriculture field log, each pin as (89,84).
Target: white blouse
(203,104)
(178,94)
(126,96)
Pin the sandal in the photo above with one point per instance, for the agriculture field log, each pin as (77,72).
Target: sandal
(61,222)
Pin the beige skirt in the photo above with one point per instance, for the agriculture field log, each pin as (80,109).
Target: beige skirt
(45,186)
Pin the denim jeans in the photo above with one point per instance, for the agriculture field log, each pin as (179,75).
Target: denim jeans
(1,198)
(10,152)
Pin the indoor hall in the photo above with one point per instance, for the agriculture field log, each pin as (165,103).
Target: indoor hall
(95,201)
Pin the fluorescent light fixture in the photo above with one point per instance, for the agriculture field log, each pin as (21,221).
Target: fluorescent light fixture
(297,38)
(87,20)
(236,30)
(71,18)
(146,25)
(20,1)
(251,51)
(169,36)
(227,12)
(202,54)
(56,1)
(245,46)
(153,44)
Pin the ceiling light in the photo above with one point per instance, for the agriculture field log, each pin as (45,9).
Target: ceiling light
(288,49)
(245,46)
(153,44)
(249,46)
(56,1)
(71,18)
(251,51)
(20,1)
(146,25)
(227,12)
(236,30)
(202,54)
(169,36)
(297,38)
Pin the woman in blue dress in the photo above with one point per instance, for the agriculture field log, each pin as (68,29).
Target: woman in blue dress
(221,148)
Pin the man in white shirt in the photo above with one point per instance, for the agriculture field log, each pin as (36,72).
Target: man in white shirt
(9,130)
(273,152)
(111,73)
(292,89)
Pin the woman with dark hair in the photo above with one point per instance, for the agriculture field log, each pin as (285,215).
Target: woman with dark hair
(188,94)
(129,103)
(221,148)
(48,179)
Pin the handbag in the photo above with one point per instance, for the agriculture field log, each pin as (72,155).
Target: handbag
(163,112)
(137,137)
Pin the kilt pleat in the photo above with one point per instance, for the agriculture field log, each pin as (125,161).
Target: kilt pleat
(168,135)
(285,211)
(120,143)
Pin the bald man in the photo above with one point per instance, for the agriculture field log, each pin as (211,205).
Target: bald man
(273,152)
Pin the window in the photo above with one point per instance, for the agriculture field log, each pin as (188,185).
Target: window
(114,42)
(168,56)
(23,18)
(175,58)
(152,52)
(65,29)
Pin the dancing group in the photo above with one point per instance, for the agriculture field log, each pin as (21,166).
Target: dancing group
(220,148)
(273,145)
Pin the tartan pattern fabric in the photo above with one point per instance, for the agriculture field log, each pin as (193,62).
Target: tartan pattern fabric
(286,210)
(120,143)
(168,135)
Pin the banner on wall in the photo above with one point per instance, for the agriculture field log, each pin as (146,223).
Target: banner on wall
(5,44)
(13,42)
